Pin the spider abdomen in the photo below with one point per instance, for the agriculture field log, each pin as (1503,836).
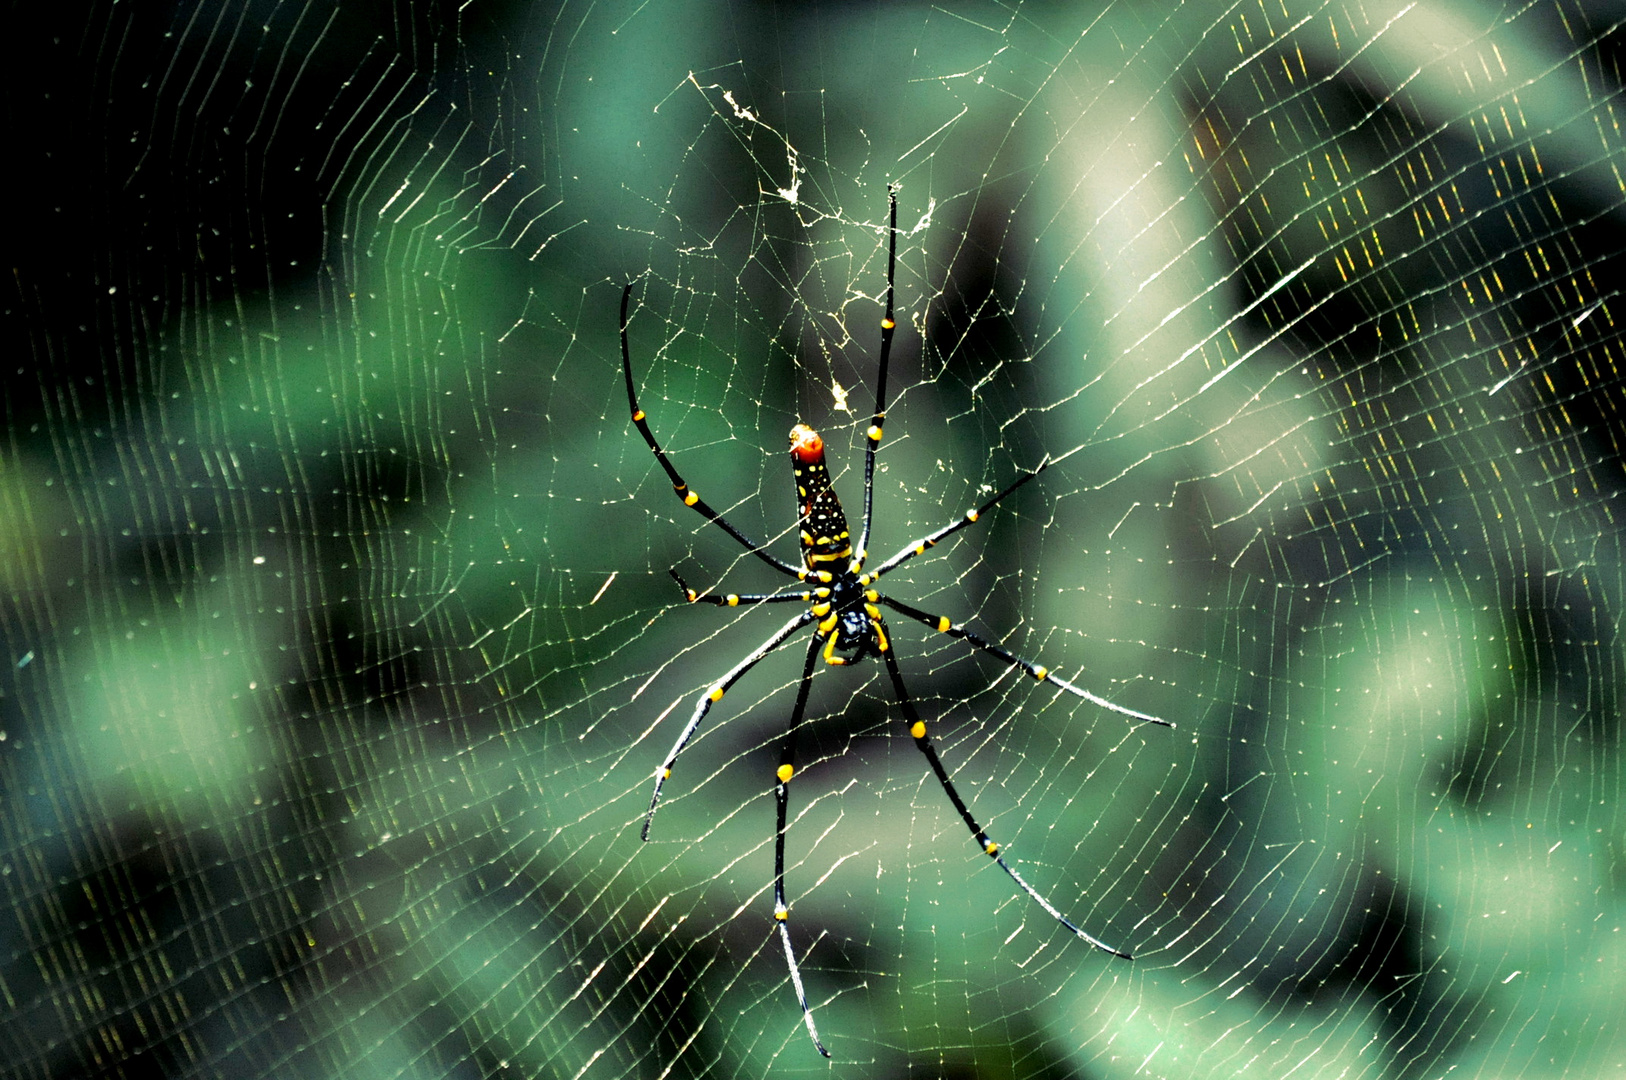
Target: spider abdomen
(826,541)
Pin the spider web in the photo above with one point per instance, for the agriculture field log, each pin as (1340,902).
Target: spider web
(340,642)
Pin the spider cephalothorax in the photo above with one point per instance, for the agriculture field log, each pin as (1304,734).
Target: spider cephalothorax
(851,625)
(846,608)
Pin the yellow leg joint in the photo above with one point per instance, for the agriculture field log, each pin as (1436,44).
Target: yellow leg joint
(991,848)
(637,416)
(887,324)
(1040,672)
(781,914)
(918,729)
(785,772)
(733,600)
(943,624)
(690,499)
(716,693)
(874,433)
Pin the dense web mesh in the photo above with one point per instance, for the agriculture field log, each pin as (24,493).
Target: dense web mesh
(339,638)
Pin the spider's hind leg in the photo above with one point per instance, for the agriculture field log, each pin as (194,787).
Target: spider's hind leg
(684,492)
(694,596)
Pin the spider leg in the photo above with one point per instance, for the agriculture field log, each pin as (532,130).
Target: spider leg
(919,547)
(888,327)
(710,698)
(923,742)
(942,624)
(736,599)
(684,492)
(781,791)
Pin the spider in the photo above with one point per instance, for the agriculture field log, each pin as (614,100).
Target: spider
(844,607)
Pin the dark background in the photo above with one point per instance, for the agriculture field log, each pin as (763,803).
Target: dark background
(338,639)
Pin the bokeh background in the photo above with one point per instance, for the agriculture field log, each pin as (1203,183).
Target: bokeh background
(338,639)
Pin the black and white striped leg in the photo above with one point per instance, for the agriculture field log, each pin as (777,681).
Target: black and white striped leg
(923,743)
(781,791)
(710,698)
(942,624)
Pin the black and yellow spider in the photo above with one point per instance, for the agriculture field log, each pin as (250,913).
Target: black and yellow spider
(844,605)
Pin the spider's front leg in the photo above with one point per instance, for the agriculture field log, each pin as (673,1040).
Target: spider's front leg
(943,625)
(923,743)
(781,791)
(712,697)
